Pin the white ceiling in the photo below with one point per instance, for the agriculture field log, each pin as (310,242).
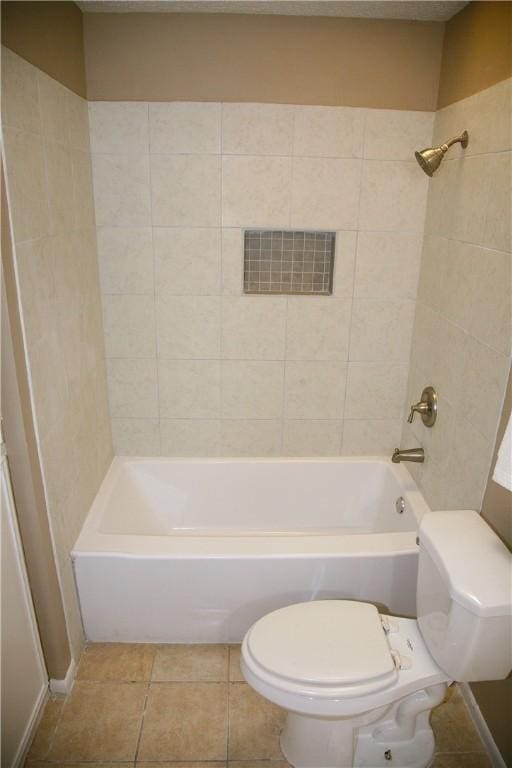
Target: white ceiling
(414,10)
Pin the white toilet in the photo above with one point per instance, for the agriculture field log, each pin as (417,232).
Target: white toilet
(359,686)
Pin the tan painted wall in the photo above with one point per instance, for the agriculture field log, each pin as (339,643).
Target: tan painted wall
(48,35)
(278,59)
(354,62)
(477,50)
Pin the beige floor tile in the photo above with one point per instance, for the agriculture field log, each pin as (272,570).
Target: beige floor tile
(116,662)
(100,722)
(254,725)
(462,760)
(453,728)
(30,764)
(258,764)
(206,764)
(199,663)
(235,673)
(46,728)
(185,721)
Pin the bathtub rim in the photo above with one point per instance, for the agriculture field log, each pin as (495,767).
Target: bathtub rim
(91,542)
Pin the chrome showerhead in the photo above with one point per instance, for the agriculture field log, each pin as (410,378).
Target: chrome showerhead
(430,158)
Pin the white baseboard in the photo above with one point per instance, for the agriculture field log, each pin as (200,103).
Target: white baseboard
(64,686)
(31,727)
(481,726)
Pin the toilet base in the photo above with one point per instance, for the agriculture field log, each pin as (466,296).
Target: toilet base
(398,735)
(311,742)
(416,753)
(403,738)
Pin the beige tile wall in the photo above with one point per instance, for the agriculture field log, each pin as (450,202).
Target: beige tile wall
(462,334)
(49,181)
(194,366)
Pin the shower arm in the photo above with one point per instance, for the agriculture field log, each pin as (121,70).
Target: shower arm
(462,139)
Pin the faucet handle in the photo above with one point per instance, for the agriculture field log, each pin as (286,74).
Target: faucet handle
(420,407)
(427,407)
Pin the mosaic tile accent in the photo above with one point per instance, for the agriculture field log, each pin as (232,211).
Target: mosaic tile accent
(298,262)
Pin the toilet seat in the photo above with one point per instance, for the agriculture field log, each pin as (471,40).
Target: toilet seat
(336,688)
(337,644)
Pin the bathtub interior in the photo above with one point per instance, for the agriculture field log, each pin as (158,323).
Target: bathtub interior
(254,497)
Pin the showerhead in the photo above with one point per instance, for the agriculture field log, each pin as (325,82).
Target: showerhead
(430,159)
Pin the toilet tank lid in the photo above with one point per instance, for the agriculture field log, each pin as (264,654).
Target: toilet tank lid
(475,563)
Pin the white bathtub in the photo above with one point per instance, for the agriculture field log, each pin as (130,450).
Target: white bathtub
(177,550)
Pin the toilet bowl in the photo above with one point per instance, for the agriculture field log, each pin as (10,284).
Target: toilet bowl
(358,686)
(354,683)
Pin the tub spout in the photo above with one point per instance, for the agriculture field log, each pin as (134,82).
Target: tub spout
(411,454)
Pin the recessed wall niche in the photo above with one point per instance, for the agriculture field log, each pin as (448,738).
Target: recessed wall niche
(290,262)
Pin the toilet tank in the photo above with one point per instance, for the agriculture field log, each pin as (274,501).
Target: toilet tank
(464,596)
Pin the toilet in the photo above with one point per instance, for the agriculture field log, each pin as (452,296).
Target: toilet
(359,686)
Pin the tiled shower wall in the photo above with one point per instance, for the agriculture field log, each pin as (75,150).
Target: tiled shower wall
(462,333)
(194,366)
(48,173)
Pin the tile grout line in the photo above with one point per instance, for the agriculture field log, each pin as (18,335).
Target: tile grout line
(219,448)
(155,293)
(351,319)
(271,155)
(284,397)
(66,699)
(456,324)
(228,705)
(144,709)
(52,739)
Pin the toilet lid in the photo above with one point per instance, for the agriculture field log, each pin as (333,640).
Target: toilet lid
(325,642)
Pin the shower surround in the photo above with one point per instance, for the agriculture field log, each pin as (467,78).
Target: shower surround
(195,368)
(462,331)
(45,134)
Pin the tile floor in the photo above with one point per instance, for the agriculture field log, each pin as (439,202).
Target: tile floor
(162,706)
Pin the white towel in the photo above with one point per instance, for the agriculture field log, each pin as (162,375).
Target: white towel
(503,469)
